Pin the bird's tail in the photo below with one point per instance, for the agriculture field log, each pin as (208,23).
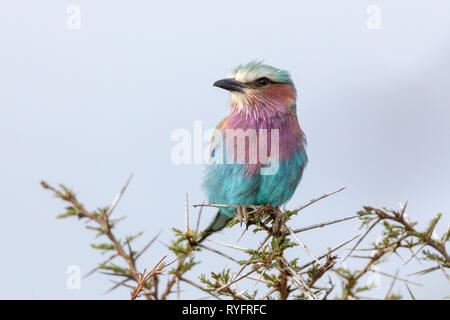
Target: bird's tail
(219,222)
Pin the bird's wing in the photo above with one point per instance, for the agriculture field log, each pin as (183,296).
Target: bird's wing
(218,127)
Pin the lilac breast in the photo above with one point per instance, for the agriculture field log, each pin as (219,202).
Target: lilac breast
(290,136)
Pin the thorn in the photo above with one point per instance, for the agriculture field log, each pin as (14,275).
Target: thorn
(119,196)
(187,213)
(242,234)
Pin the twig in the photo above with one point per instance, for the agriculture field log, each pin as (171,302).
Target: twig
(409,228)
(445,273)
(213,205)
(317,199)
(362,238)
(257,250)
(144,277)
(147,245)
(102,221)
(395,277)
(303,245)
(229,245)
(425,271)
(197,227)
(388,293)
(118,284)
(236,280)
(320,225)
(199,287)
(187,214)
(410,292)
(96,268)
(306,290)
(119,196)
(268,293)
(259,279)
(329,252)
(217,252)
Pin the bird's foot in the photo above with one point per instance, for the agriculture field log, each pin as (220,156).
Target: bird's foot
(278,220)
(243,217)
(239,214)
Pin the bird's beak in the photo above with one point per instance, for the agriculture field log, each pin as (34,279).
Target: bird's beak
(230,85)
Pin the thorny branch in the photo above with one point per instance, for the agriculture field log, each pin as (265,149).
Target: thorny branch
(398,233)
(267,265)
(105,227)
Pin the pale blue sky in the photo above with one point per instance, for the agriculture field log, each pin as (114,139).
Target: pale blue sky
(88,107)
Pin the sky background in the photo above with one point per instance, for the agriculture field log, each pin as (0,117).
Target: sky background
(87,107)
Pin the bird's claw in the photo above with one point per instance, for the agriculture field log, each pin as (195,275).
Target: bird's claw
(242,215)
(278,221)
(239,214)
(245,215)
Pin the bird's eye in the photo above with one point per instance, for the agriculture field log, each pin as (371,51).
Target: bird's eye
(262,82)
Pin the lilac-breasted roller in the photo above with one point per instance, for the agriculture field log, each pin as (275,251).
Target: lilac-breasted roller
(263,100)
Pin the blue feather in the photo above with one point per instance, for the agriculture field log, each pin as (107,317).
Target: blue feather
(228,184)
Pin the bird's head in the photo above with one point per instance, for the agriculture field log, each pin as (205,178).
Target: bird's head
(257,88)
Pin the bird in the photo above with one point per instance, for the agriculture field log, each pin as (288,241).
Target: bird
(263,99)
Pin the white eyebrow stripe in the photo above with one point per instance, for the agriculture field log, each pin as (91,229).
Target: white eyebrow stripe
(249,76)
